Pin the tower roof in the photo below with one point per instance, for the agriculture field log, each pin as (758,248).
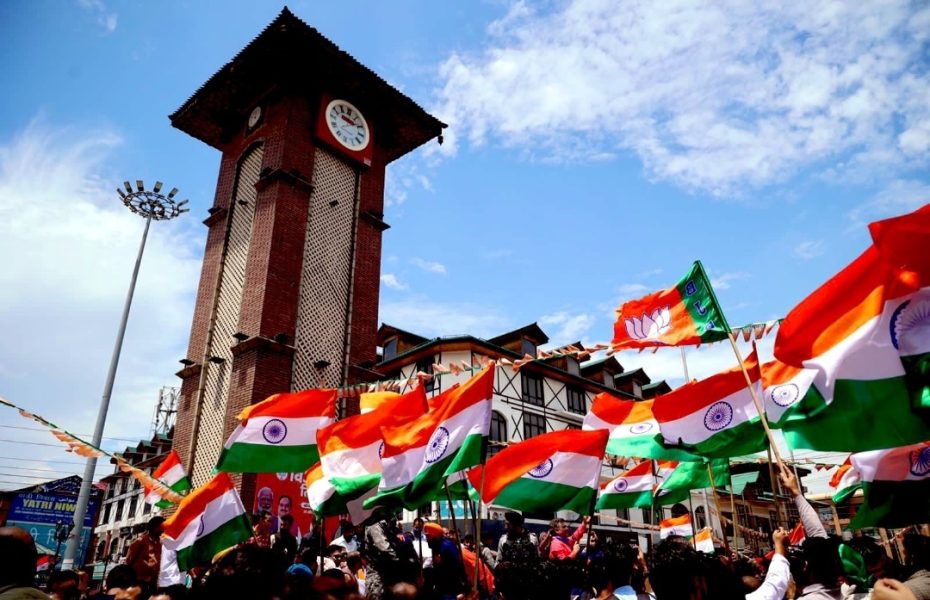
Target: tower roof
(289,55)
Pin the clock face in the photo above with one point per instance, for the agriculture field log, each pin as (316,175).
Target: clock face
(255,116)
(347,125)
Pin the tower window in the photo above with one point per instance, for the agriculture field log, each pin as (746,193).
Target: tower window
(532,389)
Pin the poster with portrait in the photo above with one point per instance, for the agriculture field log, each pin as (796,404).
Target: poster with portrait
(284,494)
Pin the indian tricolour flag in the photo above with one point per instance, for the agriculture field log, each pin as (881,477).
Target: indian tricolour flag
(633,429)
(172,474)
(678,481)
(629,489)
(685,314)
(866,333)
(326,501)
(714,417)
(554,471)
(278,435)
(789,392)
(704,541)
(350,449)
(370,401)
(207,521)
(419,457)
(895,483)
(676,526)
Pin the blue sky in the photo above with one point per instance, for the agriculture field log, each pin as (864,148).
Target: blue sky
(594,150)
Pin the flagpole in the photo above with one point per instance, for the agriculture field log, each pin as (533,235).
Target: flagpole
(733,519)
(478,532)
(684,364)
(713,487)
(455,526)
(693,521)
(755,397)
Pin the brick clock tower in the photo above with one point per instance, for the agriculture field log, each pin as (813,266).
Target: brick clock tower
(288,295)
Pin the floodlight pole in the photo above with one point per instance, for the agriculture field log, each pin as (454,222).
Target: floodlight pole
(151,205)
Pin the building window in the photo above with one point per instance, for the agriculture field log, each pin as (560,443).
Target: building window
(529,347)
(637,389)
(533,389)
(533,425)
(119,509)
(426,366)
(106,513)
(132,506)
(146,508)
(498,434)
(390,349)
(576,401)
(742,514)
(700,517)
(609,379)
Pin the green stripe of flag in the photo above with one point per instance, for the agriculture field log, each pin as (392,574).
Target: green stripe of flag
(202,551)
(242,457)
(527,494)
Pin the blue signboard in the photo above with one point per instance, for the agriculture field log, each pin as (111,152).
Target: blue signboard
(38,512)
(34,507)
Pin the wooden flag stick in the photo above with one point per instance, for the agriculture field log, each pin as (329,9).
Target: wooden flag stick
(455,527)
(733,520)
(478,562)
(693,522)
(713,488)
(684,364)
(755,398)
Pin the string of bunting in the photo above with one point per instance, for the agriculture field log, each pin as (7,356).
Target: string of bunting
(85,449)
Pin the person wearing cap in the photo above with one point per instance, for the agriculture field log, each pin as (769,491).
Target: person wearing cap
(448,569)
(515,536)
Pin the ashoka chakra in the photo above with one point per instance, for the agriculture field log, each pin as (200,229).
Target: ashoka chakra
(620,485)
(542,469)
(920,462)
(641,428)
(274,431)
(785,395)
(910,326)
(438,442)
(718,416)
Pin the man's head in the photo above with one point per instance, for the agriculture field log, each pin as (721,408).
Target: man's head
(513,522)
(615,569)
(917,550)
(469,541)
(347,528)
(433,531)
(284,506)
(265,499)
(818,562)
(156,526)
(418,525)
(336,552)
(18,550)
(558,527)
(287,521)
(677,572)
(64,585)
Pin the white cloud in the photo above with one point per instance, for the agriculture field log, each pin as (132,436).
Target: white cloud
(427,317)
(70,246)
(713,96)
(809,249)
(429,266)
(105,18)
(722,281)
(898,197)
(402,177)
(391,281)
(570,329)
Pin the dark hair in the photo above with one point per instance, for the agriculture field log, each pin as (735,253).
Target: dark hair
(287,518)
(519,581)
(56,577)
(121,576)
(154,523)
(19,557)
(821,561)
(917,548)
(247,572)
(514,518)
(614,568)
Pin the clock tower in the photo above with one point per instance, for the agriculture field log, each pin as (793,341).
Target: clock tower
(288,295)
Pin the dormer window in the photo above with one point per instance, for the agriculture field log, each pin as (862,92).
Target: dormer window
(390,349)
(571,365)
(609,379)
(529,347)
(637,389)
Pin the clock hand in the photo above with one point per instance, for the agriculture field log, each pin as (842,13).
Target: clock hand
(348,120)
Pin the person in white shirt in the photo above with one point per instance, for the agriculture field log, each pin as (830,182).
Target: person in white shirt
(347,538)
(420,544)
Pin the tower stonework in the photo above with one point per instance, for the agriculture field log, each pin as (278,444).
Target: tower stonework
(288,295)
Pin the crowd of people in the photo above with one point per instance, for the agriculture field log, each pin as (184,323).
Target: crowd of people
(429,562)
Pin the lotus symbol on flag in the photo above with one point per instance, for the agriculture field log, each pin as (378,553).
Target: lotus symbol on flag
(920,462)
(542,469)
(438,442)
(650,327)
